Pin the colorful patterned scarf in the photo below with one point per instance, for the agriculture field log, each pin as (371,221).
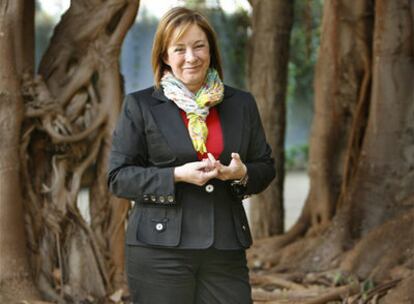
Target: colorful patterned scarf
(195,106)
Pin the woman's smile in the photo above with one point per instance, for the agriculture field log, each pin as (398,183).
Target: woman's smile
(194,68)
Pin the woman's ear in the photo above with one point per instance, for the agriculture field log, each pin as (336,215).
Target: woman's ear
(165,59)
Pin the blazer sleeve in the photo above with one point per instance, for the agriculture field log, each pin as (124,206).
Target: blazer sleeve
(259,161)
(129,176)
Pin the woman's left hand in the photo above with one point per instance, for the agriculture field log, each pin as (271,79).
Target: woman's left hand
(235,170)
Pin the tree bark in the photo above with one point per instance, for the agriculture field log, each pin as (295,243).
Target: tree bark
(381,192)
(71,109)
(378,181)
(15,274)
(361,207)
(342,80)
(342,93)
(24,36)
(268,66)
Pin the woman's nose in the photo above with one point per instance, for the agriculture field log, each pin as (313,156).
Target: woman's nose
(190,56)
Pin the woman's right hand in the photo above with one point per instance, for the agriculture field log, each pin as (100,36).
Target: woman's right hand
(197,173)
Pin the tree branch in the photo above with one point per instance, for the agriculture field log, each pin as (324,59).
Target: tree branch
(80,169)
(125,23)
(274,280)
(59,138)
(335,294)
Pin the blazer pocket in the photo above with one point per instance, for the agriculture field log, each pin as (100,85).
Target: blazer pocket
(159,225)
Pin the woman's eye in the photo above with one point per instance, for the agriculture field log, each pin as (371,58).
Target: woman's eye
(179,50)
(199,46)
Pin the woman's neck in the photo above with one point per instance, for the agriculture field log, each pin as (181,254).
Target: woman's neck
(194,89)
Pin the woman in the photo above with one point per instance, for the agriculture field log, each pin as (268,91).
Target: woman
(187,151)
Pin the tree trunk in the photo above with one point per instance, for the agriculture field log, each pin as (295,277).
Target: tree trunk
(70,114)
(380,198)
(342,91)
(377,184)
(268,66)
(360,210)
(342,82)
(15,275)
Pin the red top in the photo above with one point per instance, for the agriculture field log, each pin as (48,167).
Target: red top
(214,143)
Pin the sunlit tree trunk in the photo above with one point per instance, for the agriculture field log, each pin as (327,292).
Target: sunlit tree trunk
(15,274)
(358,218)
(71,109)
(342,93)
(268,66)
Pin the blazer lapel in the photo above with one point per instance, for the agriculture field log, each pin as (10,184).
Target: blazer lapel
(170,123)
(231,120)
(168,119)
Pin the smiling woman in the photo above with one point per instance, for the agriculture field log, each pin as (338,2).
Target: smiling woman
(187,151)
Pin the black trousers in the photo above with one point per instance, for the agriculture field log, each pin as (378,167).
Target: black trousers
(183,276)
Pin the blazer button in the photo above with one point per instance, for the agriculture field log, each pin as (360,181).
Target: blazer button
(209,188)
(244,227)
(159,227)
(170,198)
(161,199)
(153,198)
(146,198)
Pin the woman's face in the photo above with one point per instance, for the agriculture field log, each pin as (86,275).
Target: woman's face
(189,57)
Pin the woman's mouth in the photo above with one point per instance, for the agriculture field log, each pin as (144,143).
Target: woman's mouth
(192,68)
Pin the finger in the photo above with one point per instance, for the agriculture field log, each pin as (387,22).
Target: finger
(218,165)
(209,164)
(204,161)
(207,161)
(210,174)
(211,157)
(215,162)
(201,165)
(235,156)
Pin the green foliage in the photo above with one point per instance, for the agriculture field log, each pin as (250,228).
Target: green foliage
(196,4)
(232,37)
(304,45)
(296,157)
(339,279)
(303,50)
(366,286)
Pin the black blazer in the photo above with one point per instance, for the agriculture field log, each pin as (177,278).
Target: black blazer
(151,139)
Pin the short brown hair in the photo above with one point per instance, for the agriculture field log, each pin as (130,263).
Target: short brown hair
(181,17)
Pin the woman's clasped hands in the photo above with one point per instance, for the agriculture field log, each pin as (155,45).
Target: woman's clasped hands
(200,172)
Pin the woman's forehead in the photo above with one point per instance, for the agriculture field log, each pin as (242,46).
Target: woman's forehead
(179,32)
